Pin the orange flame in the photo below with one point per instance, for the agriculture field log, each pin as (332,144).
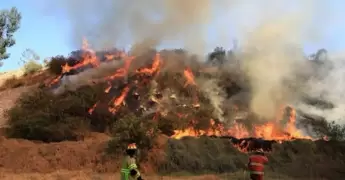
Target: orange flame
(188,73)
(93,108)
(89,57)
(119,100)
(154,68)
(122,71)
(268,131)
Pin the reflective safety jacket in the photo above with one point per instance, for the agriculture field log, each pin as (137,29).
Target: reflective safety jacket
(256,164)
(129,164)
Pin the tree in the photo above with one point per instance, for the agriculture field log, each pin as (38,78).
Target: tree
(29,55)
(9,24)
(30,61)
(218,56)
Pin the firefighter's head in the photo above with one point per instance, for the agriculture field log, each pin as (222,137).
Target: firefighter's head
(131,149)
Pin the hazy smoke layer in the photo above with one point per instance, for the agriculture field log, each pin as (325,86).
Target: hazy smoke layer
(271,35)
(272,55)
(330,88)
(146,23)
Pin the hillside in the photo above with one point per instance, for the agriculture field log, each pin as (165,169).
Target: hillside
(77,122)
(7,100)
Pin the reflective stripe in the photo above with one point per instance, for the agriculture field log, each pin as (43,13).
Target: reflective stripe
(256,164)
(125,173)
(256,172)
(125,170)
(132,166)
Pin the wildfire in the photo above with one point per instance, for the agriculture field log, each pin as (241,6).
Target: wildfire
(88,56)
(154,68)
(268,131)
(119,100)
(189,77)
(276,129)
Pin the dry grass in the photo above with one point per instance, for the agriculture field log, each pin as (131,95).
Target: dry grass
(89,175)
(6,75)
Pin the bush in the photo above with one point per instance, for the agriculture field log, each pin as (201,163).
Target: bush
(132,129)
(31,67)
(12,82)
(217,155)
(56,63)
(202,155)
(336,131)
(41,115)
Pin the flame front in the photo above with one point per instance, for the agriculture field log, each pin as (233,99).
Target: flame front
(269,131)
(276,129)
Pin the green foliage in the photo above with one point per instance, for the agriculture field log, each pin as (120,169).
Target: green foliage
(203,155)
(31,67)
(214,155)
(336,131)
(132,129)
(9,24)
(41,115)
(323,128)
(218,56)
(56,63)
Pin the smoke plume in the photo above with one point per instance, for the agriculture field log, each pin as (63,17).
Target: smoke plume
(143,24)
(272,53)
(271,35)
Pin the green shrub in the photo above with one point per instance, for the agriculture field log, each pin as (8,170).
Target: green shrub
(336,131)
(56,63)
(31,67)
(132,129)
(41,115)
(202,155)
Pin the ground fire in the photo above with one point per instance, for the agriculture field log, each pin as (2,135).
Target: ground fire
(133,84)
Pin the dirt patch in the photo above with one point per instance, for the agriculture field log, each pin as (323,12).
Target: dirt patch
(88,174)
(25,156)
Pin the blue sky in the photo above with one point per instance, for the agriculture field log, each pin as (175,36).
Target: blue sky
(46,35)
(49,35)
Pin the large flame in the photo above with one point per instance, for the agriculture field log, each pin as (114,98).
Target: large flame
(270,131)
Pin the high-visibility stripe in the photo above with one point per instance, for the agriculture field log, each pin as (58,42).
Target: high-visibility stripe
(125,170)
(125,175)
(132,166)
(256,172)
(255,164)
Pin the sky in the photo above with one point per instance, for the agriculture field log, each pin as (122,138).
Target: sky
(48,34)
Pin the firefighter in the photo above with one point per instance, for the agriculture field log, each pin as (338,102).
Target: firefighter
(256,165)
(129,169)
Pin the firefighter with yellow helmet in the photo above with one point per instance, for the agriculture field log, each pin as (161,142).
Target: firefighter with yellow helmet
(129,169)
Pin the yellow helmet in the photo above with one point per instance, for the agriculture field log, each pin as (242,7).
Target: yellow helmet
(132,146)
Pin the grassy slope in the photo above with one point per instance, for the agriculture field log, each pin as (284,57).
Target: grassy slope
(213,156)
